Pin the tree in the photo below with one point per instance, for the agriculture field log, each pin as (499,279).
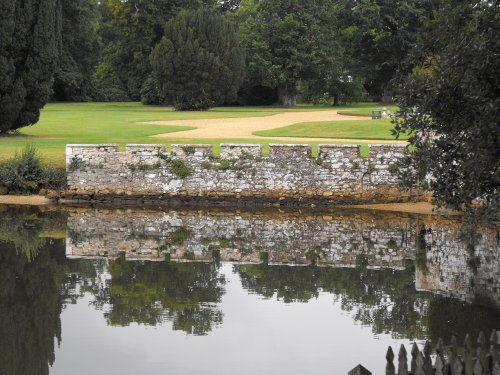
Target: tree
(130,29)
(80,50)
(450,104)
(382,34)
(29,45)
(198,62)
(288,41)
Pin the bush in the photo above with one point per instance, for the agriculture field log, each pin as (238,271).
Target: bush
(24,173)
(150,92)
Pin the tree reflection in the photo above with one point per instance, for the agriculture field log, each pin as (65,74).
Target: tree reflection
(384,299)
(30,306)
(151,292)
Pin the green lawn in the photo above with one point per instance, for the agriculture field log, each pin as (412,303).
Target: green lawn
(362,109)
(356,129)
(63,123)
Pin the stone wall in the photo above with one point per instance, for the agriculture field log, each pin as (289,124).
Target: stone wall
(337,174)
(342,240)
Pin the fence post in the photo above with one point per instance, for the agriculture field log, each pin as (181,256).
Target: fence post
(402,361)
(359,370)
(414,354)
(482,354)
(389,367)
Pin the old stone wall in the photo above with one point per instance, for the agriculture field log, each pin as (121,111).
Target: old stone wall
(342,240)
(338,173)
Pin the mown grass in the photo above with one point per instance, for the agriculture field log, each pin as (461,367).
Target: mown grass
(356,129)
(64,123)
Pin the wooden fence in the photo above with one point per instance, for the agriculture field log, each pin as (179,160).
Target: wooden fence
(483,358)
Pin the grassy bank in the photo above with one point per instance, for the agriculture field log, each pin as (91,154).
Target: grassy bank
(63,123)
(370,129)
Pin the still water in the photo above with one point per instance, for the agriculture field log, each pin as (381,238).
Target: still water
(110,291)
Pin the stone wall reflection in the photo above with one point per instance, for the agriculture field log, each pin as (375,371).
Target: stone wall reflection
(445,263)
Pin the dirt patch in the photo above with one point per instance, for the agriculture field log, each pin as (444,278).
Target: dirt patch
(32,200)
(415,208)
(234,128)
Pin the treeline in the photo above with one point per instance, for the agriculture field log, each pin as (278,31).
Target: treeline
(199,53)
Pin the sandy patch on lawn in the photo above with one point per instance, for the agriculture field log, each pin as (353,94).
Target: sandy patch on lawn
(415,208)
(32,200)
(234,128)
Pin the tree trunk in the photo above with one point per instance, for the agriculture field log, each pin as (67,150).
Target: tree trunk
(335,100)
(287,96)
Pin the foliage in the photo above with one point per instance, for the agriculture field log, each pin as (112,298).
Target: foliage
(152,292)
(25,173)
(449,105)
(29,47)
(380,34)
(30,308)
(80,51)
(198,63)
(289,41)
(130,29)
(180,169)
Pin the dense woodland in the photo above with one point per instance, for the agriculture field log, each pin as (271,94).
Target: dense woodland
(261,52)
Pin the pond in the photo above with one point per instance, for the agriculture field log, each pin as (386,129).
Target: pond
(127,291)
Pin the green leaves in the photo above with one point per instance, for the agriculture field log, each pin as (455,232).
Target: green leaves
(450,104)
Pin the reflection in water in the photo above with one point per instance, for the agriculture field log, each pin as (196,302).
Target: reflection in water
(392,273)
(148,293)
(30,306)
(384,299)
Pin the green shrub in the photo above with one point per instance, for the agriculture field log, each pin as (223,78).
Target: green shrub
(55,178)
(24,172)
(224,164)
(179,168)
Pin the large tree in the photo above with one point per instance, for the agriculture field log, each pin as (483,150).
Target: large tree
(289,41)
(198,63)
(382,34)
(29,45)
(450,104)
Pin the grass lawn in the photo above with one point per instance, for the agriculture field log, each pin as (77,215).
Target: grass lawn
(362,109)
(369,129)
(63,123)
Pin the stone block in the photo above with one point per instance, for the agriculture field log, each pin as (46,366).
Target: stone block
(338,152)
(286,152)
(190,150)
(228,151)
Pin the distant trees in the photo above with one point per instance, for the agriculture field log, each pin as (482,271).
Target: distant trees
(198,63)
(450,104)
(80,51)
(29,48)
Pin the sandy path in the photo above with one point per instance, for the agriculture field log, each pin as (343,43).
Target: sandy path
(234,128)
(33,200)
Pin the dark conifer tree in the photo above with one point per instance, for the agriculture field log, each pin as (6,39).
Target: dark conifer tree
(198,62)
(29,45)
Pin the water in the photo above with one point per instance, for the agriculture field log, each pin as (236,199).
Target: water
(94,291)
